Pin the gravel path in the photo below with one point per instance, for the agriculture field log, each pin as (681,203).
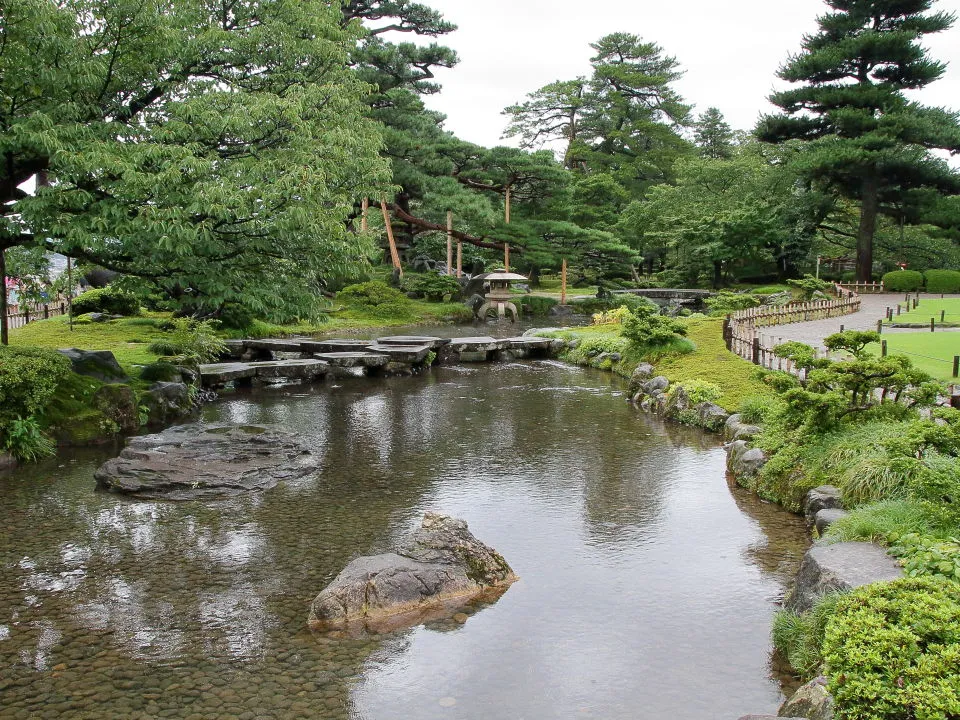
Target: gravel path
(872,308)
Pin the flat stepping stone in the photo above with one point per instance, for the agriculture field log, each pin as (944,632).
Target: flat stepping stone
(335,345)
(354,359)
(530,343)
(290,369)
(192,462)
(407,340)
(482,343)
(402,353)
(276,345)
(222,373)
(843,566)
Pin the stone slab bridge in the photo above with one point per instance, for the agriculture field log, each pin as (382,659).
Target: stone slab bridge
(307,359)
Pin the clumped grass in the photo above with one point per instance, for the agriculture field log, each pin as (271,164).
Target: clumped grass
(799,637)
(876,522)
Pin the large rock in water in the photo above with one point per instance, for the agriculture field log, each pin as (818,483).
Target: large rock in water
(190,462)
(812,701)
(440,568)
(843,566)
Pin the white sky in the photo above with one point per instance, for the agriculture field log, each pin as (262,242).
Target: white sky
(730,50)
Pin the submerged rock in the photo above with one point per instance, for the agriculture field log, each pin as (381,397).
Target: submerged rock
(438,570)
(167,402)
(190,462)
(811,701)
(843,566)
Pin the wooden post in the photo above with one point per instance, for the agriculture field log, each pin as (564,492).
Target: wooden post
(879,326)
(70,292)
(883,348)
(4,339)
(364,207)
(933,323)
(459,258)
(563,282)
(449,242)
(956,365)
(394,255)
(506,207)
(943,316)
(506,256)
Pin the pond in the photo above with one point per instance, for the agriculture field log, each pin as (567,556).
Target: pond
(647,583)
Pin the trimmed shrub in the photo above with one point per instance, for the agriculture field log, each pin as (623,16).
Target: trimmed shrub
(903,281)
(377,297)
(28,379)
(892,651)
(433,287)
(109,300)
(537,305)
(943,281)
(644,328)
(727,302)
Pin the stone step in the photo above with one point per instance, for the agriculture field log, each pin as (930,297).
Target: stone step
(335,345)
(409,340)
(528,343)
(402,353)
(216,374)
(354,359)
(276,344)
(481,343)
(290,369)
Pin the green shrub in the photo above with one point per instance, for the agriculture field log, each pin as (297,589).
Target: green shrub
(537,305)
(433,287)
(698,391)
(943,281)
(798,637)
(109,300)
(922,555)
(892,651)
(808,286)
(23,439)
(591,348)
(644,328)
(378,298)
(903,281)
(161,371)
(594,305)
(755,409)
(191,341)
(28,379)
(726,302)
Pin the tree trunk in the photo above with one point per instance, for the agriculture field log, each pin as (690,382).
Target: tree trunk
(869,205)
(534,277)
(717,274)
(4,338)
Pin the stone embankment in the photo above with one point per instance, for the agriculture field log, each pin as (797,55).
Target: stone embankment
(441,568)
(654,393)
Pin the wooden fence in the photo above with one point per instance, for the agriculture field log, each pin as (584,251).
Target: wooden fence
(741,330)
(863,288)
(20,315)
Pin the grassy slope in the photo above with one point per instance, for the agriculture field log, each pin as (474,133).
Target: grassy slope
(710,361)
(929,351)
(931,308)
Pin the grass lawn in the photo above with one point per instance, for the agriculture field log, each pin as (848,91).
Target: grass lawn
(709,361)
(929,351)
(931,308)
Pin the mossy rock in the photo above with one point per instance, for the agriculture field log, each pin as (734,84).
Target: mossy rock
(160,371)
(98,364)
(118,403)
(91,428)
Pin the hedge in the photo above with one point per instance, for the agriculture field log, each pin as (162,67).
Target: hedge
(943,281)
(903,281)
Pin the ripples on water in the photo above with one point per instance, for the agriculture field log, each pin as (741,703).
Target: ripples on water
(647,583)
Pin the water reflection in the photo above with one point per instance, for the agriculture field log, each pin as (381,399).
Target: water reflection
(646,585)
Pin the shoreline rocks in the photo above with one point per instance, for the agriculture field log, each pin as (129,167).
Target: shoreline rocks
(441,567)
(191,462)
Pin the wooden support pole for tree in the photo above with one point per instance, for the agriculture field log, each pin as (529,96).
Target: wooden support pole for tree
(506,256)
(956,365)
(459,258)
(883,348)
(563,282)
(70,292)
(394,255)
(450,242)
(933,324)
(506,207)
(4,339)
(364,207)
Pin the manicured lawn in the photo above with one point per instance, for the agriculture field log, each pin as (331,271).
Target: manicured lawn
(929,351)
(931,308)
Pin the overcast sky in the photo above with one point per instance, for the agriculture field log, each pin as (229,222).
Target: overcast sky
(730,51)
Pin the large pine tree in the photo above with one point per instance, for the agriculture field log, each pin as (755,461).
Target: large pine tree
(865,137)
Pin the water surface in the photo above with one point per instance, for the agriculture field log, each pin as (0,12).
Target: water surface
(647,583)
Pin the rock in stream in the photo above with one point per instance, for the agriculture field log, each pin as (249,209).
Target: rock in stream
(439,569)
(194,462)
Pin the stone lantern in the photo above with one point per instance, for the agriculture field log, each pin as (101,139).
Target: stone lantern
(499,296)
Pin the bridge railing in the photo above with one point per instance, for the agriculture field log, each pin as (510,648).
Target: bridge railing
(742,329)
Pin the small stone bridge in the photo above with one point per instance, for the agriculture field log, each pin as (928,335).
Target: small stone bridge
(267,361)
(667,295)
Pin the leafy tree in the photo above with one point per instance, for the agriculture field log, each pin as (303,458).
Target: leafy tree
(211,149)
(713,135)
(863,136)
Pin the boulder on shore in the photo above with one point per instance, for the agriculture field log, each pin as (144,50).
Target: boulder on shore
(98,364)
(843,566)
(811,701)
(192,462)
(825,497)
(439,569)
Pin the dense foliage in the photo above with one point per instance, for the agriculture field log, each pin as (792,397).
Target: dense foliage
(110,300)
(942,281)
(28,379)
(903,281)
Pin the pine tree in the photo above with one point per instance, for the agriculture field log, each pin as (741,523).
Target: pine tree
(863,136)
(713,135)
